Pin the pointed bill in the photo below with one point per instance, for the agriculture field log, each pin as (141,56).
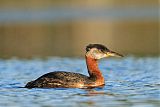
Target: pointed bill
(112,53)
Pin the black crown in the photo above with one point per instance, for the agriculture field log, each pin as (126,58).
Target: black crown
(98,46)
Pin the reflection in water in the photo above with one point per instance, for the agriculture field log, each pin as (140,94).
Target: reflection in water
(115,98)
(91,92)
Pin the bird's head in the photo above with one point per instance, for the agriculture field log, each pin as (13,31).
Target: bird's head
(98,51)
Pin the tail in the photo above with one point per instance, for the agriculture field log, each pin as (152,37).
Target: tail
(30,85)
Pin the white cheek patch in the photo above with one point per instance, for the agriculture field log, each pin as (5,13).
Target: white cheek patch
(100,55)
(96,54)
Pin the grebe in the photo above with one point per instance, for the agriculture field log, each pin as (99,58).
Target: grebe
(61,79)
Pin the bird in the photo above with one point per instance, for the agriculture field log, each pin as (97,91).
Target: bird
(65,79)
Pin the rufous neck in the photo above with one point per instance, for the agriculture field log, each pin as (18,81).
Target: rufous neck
(92,65)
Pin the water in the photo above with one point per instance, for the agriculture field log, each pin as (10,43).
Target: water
(130,82)
(61,14)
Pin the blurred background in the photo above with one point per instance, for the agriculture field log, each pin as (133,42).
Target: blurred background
(41,28)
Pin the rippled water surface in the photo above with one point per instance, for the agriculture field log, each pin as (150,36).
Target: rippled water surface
(130,82)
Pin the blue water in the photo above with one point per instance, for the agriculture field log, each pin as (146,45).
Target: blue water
(130,82)
(61,14)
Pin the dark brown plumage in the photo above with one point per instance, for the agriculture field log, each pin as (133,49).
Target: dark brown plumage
(59,79)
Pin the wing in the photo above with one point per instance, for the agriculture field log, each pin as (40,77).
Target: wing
(58,79)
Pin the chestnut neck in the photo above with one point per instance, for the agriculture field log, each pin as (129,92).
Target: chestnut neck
(93,70)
